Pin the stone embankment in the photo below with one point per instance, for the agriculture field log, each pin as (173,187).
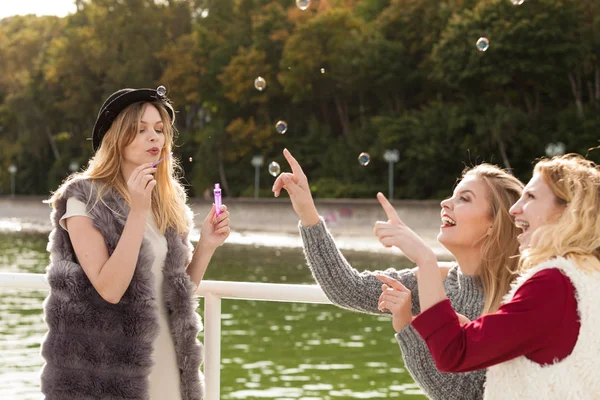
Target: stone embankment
(348,219)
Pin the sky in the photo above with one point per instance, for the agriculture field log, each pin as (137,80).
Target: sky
(39,7)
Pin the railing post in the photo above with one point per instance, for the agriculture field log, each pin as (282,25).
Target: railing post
(212,346)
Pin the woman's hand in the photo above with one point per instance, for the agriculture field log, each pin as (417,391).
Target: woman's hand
(395,233)
(214,229)
(140,185)
(462,320)
(296,184)
(397,299)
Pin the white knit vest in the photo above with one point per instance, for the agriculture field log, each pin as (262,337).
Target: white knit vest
(577,377)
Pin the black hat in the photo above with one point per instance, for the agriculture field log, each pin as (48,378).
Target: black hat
(118,101)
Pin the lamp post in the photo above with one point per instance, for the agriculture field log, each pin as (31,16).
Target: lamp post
(392,157)
(13,170)
(257,162)
(555,149)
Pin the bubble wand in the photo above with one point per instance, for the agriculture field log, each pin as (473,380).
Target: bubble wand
(159,161)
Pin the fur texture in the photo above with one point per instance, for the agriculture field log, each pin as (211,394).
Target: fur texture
(573,378)
(98,350)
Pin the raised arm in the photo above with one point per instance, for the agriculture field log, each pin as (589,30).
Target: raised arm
(111,274)
(396,233)
(342,283)
(215,229)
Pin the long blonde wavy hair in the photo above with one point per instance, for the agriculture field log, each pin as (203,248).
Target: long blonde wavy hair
(500,246)
(104,169)
(575,182)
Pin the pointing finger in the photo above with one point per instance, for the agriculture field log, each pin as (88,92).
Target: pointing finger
(392,283)
(390,211)
(296,168)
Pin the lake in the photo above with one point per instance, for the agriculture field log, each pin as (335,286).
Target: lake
(269,350)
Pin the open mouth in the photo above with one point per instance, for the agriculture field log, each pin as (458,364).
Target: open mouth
(154,152)
(522,225)
(447,222)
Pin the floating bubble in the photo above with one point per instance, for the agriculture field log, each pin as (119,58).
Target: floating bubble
(517,2)
(260,84)
(274,168)
(322,70)
(483,44)
(303,4)
(364,159)
(161,90)
(191,159)
(555,149)
(281,127)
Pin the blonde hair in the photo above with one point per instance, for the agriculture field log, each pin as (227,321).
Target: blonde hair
(500,246)
(575,182)
(104,169)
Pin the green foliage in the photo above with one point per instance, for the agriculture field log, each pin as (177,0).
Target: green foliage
(347,76)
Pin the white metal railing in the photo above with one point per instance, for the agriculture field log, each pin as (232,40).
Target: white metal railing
(213,292)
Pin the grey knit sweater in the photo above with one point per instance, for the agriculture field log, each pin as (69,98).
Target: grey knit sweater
(348,288)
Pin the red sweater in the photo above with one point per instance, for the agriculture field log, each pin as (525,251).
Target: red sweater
(541,322)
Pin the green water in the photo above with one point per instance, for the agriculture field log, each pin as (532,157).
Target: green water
(269,349)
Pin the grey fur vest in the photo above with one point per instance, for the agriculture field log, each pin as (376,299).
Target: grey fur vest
(98,350)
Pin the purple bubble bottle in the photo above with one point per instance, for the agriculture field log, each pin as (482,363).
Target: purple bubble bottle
(218,202)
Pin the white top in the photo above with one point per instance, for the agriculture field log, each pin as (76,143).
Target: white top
(164,376)
(572,378)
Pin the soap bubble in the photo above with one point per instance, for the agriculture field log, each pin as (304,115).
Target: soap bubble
(161,90)
(322,70)
(517,2)
(274,168)
(281,127)
(260,84)
(303,4)
(191,159)
(364,159)
(483,44)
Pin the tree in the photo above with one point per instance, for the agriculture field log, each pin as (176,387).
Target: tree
(321,62)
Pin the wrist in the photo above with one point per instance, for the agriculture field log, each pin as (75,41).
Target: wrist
(429,260)
(310,219)
(204,246)
(138,213)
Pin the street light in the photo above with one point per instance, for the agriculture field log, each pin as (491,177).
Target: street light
(392,157)
(13,170)
(257,162)
(555,149)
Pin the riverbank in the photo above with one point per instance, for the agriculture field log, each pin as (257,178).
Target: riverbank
(269,222)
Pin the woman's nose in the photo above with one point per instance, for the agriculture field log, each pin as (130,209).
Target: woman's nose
(515,209)
(445,203)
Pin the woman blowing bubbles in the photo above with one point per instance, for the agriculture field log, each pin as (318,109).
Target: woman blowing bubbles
(121,310)
(543,342)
